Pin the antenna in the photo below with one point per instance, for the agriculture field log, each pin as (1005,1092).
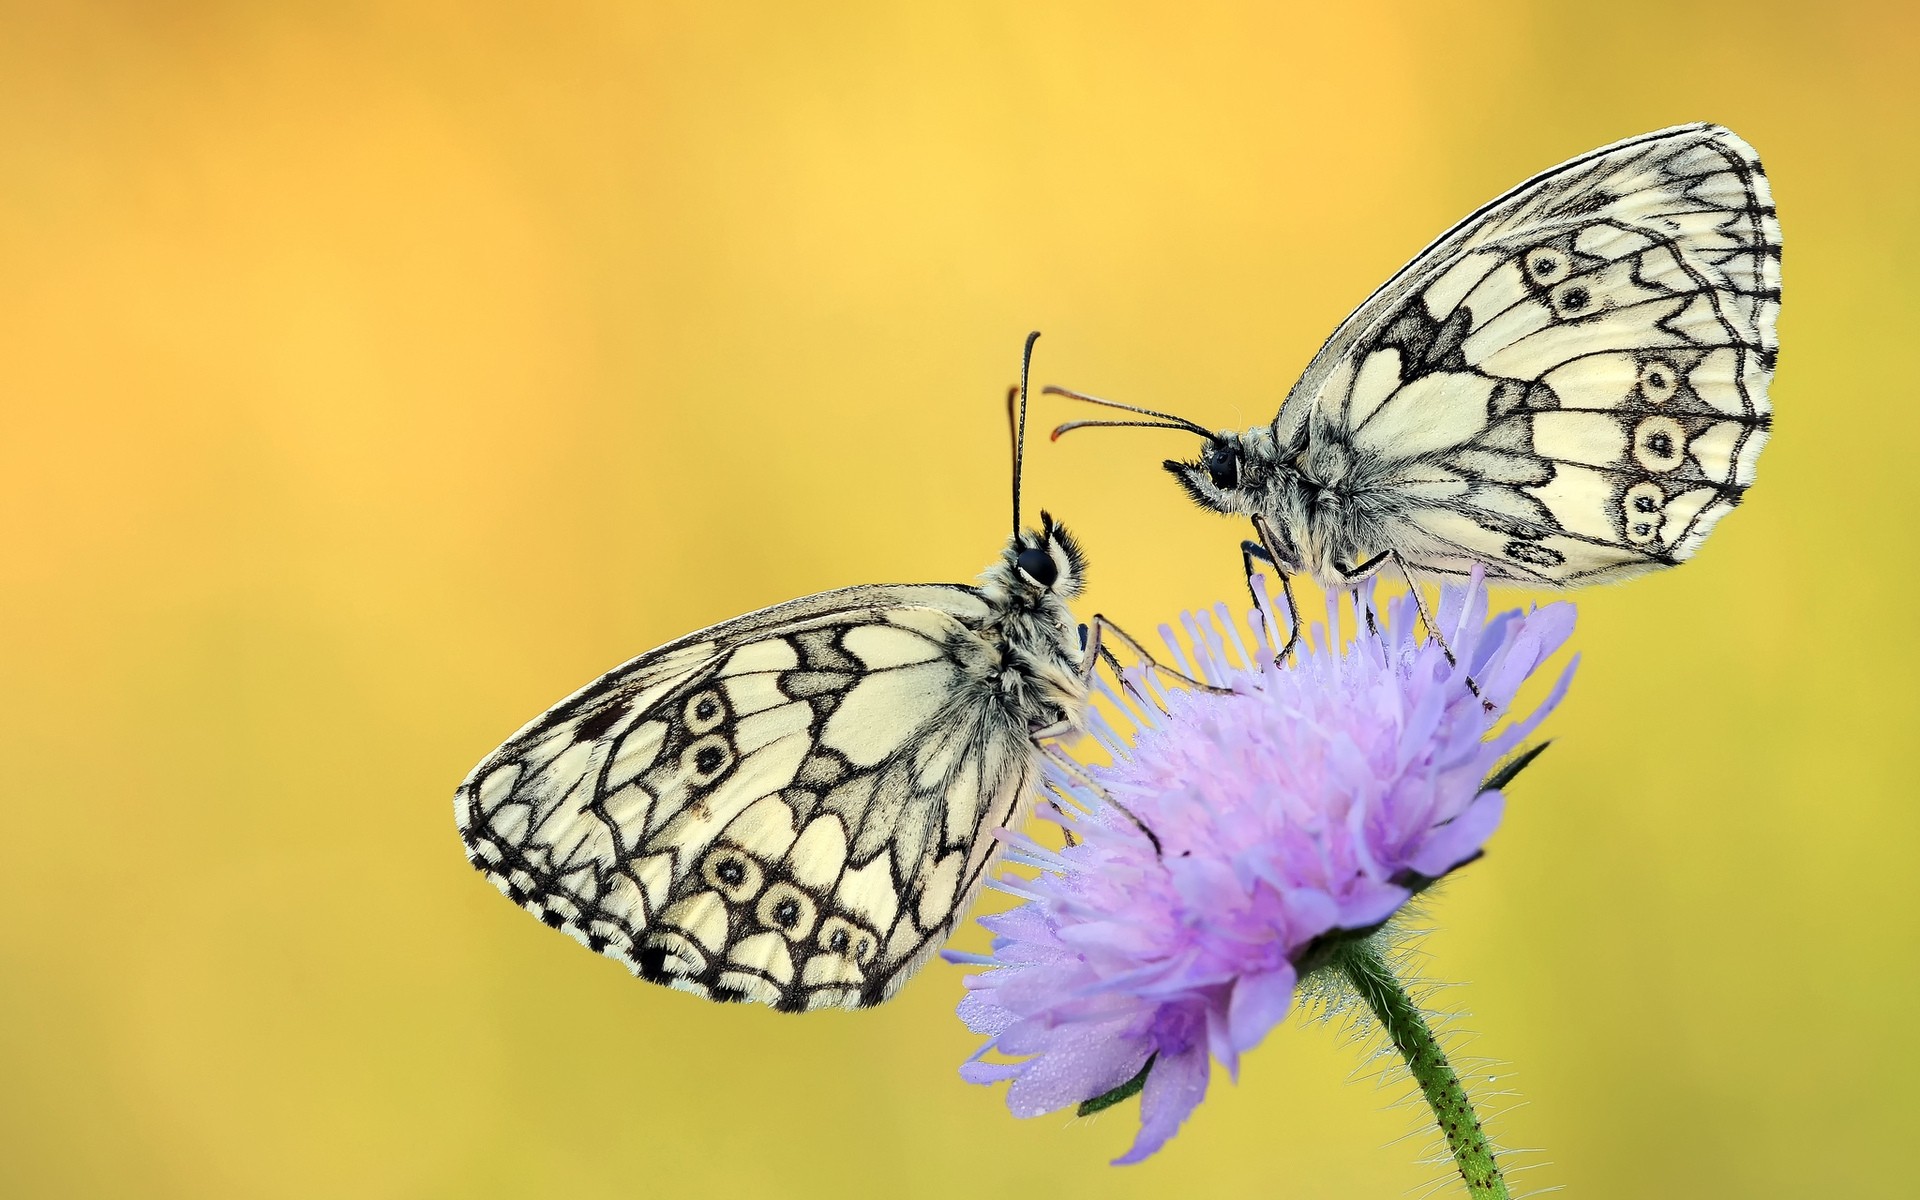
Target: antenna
(1013,427)
(1161,420)
(1020,426)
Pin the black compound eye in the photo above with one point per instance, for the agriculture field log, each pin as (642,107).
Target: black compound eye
(1222,462)
(1038,566)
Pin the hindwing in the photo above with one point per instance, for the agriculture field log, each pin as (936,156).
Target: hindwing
(1571,384)
(792,807)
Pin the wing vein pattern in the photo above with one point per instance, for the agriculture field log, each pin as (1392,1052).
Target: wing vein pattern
(791,807)
(1570,385)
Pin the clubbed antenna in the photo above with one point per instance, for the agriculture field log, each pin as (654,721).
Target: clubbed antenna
(1020,427)
(1160,420)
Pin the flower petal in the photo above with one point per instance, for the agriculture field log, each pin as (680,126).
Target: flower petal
(1368,904)
(982,1013)
(1175,1087)
(1259,1003)
(1081,1063)
(1460,839)
(976,1071)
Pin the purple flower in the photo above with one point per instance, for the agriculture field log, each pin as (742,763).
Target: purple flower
(1309,805)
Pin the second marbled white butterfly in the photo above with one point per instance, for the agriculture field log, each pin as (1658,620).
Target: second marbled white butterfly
(795,806)
(1567,387)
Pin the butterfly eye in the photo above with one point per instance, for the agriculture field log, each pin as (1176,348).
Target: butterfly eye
(1037,565)
(1222,463)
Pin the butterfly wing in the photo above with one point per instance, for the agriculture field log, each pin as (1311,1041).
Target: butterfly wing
(1571,384)
(791,807)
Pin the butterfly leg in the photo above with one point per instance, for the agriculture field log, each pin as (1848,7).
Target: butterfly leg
(1250,550)
(1095,653)
(1103,627)
(1433,627)
(1263,550)
(1070,767)
(1354,574)
(1419,599)
(1066,829)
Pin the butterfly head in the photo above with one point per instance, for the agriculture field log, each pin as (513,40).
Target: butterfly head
(1043,561)
(1217,479)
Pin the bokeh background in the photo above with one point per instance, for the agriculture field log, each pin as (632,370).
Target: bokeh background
(375,373)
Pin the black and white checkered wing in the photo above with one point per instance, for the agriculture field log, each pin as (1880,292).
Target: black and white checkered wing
(1571,384)
(793,807)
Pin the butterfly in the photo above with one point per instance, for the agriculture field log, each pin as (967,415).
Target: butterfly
(796,806)
(1567,387)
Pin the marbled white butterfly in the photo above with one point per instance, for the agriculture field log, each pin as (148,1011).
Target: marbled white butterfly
(1568,386)
(795,806)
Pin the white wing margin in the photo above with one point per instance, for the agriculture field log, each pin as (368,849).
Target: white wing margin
(1571,384)
(789,807)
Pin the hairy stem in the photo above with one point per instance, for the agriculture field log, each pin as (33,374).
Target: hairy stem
(1361,963)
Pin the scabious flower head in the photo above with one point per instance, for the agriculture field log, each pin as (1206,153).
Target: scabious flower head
(1309,805)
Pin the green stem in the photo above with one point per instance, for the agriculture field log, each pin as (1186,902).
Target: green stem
(1370,975)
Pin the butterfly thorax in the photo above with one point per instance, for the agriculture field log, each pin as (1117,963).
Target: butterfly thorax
(1028,658)
(1339,505)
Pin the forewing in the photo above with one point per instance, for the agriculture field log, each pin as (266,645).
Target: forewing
(1570,385)
(787,808)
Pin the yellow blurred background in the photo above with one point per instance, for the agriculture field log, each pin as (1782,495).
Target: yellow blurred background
(375,373)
